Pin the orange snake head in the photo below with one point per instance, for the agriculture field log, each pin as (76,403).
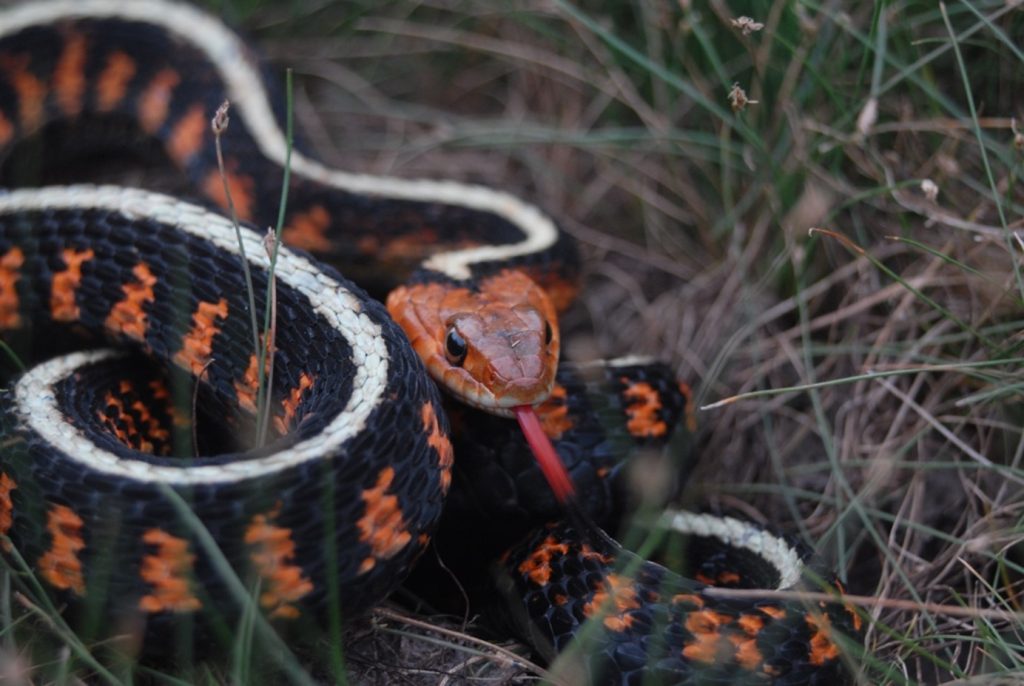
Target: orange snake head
(493,347)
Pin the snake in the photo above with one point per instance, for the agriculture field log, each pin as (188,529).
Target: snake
(337,506)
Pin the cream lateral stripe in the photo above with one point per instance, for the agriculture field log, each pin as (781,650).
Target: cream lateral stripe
(36,402)
(739,534)
(229,56)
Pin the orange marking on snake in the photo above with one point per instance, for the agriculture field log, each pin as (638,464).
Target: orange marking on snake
(6,129)
(10,273)
(616,596)
(197,344)
(122,424)
(554,413)
(772,611)
(273,554)
(128,316)
(751,624)
(850,609)
(187,136)
(747,653)
(437,439)
(562,292)
(503,324)
(241,187)
(290,404)
(368,245)
(688,599)
(113,414)
(247,387)
(823,648)
(707,645)
(30,91)
(382,527)
(154,430)
(64,285)
(642,409)
(728,578)
(7,484)
(155,101)
(159,390)
(689,410)
(854,616)
(60,564)
(69,75)
(308,230)
(588,553)
(412,247)
(112,83)
(167,571)
(537,564)
(178,417)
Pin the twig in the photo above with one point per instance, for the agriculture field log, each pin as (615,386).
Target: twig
(866,376)
(268,314)
(219,124)
(426,626)
(868,602)
(270,242)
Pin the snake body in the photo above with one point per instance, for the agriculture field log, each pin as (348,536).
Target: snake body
(627,620)
(335,509)
(79,496)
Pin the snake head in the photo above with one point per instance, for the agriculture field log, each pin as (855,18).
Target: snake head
(493,345)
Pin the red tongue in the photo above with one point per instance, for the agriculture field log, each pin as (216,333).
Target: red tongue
(548,460)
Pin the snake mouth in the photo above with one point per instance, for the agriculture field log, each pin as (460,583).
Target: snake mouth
(504,401)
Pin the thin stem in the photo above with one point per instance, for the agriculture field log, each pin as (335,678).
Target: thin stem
(219,124)
(261,428)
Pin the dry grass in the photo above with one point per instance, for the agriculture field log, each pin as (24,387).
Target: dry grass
(696,229)
(891,130)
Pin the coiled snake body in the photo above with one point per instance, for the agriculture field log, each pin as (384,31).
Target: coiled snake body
(338,505)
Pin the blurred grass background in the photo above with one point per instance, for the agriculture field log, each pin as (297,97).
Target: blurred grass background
(691,151)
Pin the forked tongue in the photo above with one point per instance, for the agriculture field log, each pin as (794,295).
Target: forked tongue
(547,459)
(557,475)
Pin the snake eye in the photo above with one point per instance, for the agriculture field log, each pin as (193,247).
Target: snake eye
(549,333)
(455,347)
